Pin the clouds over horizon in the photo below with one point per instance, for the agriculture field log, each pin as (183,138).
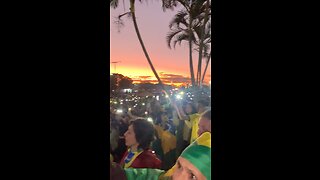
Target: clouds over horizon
(167,78)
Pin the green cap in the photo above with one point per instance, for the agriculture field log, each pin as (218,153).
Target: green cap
(199,154)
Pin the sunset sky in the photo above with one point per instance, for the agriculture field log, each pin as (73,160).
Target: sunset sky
(171,64)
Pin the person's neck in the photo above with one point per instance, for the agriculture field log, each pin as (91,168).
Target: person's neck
(134,148)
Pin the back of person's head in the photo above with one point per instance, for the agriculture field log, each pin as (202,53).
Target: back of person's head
(144,132)
(204,102)
(193,108)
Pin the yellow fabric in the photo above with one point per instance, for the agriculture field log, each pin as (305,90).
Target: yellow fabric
(194,121)
(205,140)
(168,141)
(111,158)
(169,173)
(136,154)
(159,130)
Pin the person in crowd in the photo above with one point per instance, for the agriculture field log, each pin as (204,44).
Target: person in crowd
(138,139)
(195,160)
(166,134)
(183,130)
(202,106)
(205,122)
(116,172)
(192,120)
(193,163)
(114,135)
(121,148)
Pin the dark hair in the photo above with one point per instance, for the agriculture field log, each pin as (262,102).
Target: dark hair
(204,102)
(144,131)
(193,107)
(207,114)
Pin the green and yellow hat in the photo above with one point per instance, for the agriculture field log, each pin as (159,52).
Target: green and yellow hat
(199,154)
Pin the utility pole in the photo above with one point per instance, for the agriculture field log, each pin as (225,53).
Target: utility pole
(115,65)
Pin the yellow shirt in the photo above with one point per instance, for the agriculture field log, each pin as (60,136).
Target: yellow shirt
(193,124)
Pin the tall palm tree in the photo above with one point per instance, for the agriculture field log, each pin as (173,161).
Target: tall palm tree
(206,44)
(180,31)
(185,26)
(114,4)
(202,38)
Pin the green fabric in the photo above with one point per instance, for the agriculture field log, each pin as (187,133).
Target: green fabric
(143,174)
(200,157)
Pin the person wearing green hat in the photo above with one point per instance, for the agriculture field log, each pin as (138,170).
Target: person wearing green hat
(195,160)
(193,163)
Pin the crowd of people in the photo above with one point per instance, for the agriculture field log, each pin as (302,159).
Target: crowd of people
(160,137)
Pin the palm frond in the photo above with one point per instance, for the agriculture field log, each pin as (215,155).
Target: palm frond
(179,18)
(171,35)
(179,39)
(169,4)
(114,3)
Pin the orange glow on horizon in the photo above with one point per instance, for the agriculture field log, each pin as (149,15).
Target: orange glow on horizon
(141,74)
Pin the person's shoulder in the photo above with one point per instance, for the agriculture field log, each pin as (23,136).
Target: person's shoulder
(147,160)
(149,154)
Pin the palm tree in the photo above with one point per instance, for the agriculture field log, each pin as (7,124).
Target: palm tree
(206,44)
(132,13)
(185,26)
(180,31)
(202,39)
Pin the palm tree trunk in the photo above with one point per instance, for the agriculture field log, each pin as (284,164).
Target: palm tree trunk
(190,53)
(205,69)
(201,42)
(132,10)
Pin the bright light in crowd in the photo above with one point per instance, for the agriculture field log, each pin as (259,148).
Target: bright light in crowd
(157,98)
(119,111)
(150,119)
(178,96)
(181,92)
(167,96)
(143,104)
(146,112)
(121,103)
(115,102)
(129,109)
(153,96)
